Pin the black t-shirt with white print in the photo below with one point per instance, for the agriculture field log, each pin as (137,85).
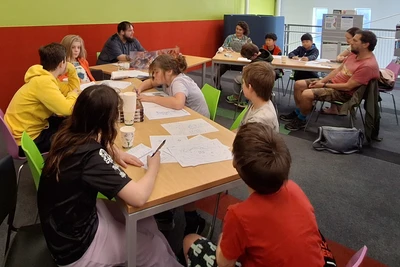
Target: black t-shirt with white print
(67,208)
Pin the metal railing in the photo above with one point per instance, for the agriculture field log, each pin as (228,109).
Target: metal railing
(383,51)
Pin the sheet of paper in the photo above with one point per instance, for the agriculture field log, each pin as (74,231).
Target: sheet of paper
(159,112)
(189,128)
(116,84)
(346,23)
(171,140)
(86,85)
(318,64)
(200,138)
(159,93)
(122,74)
(141,152)
(194,154)
(276,56)
(243,59)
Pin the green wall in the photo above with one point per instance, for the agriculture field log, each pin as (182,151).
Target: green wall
(51,12)
(262,7)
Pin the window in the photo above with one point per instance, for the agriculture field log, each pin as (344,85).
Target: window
(367,16)
(318,15)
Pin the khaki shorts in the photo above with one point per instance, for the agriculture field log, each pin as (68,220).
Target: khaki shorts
(328,94)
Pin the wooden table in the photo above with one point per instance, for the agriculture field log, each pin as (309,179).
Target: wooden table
(192,61)
(175,186)
(292,64)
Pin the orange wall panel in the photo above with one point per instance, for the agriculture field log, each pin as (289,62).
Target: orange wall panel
(19,45)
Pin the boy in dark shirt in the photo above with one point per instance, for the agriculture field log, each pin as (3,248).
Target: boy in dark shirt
(306,52)
(251,52)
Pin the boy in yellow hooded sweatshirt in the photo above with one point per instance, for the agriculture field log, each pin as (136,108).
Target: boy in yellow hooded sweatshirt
(32,107)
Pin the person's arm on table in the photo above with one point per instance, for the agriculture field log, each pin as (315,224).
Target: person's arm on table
(137,193)
(175,102)
(146,85)
(73,80)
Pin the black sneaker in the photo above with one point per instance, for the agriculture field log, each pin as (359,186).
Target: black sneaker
(195,224)
(295,125)
(289,117)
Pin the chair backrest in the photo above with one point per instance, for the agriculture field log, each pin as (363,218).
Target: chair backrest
(357,258)
(393,66)
(8,187)
(35,159)
(212,98)
(239,119)
(12,146)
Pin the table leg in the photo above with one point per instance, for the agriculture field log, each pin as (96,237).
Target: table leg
(131,240)
(203,78)
(212,73)
(215,216)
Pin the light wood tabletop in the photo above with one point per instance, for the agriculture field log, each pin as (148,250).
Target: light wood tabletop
(192,61)
(293,64)
(174,181)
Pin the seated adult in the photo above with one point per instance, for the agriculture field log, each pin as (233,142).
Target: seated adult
(357,69)
(119,45)
(34,105)
(235,42)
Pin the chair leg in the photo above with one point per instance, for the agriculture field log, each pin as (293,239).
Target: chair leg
(319,113)
(395,110)
(309,118)
(362,117)
(214,216)
(291,90)
(287,86)
(20,171)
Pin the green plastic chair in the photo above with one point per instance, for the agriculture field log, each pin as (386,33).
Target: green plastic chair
(212,98)
(36,161)
(239,118)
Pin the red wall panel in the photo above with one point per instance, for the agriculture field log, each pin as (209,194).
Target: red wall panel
(19,45)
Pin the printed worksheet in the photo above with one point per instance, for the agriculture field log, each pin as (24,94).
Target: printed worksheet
(123,74)
(141,152)
(86,85)
(116,84)
(200,138)
(171,140)
(160,112)
(194,154)
(189,128)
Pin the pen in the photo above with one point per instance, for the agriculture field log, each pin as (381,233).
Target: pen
(159,147)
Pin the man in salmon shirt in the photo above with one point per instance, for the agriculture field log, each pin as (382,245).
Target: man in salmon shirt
(357,69)
(276,225)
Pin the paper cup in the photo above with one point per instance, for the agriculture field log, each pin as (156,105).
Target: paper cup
(284,59)
(129,117)
(129,102)
(127,136)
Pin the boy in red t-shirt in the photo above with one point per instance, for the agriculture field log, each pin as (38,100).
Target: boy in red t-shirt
(276,225)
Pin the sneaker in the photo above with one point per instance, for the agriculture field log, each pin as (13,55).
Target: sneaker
(241,104)
(195,224)
(295,125)
(232,99)
(289,117)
